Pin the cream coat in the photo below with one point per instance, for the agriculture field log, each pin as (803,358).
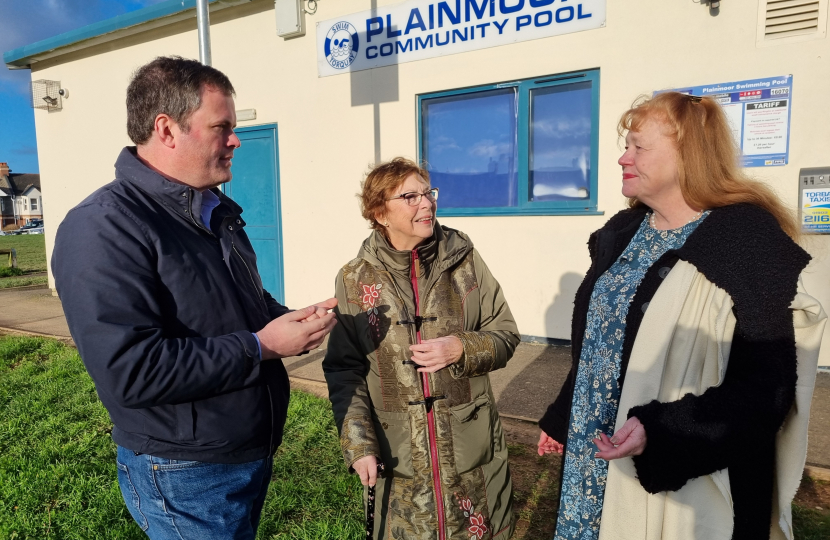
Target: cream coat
(683,347)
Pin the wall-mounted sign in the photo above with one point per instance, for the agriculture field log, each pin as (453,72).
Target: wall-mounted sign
(759,114)
(815,210)
(814,200)
(416,30)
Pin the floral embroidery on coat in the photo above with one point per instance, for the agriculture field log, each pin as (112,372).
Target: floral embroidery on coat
(478,527)
(370,294)
(597,391)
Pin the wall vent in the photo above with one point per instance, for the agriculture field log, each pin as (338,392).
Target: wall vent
(792,20)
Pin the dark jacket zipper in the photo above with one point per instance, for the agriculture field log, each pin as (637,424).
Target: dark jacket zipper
(250,274)
(259,295)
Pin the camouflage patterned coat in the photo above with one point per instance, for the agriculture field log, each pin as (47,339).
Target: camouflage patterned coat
(438,434)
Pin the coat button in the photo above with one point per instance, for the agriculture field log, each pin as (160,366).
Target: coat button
(645,306)
(475,416)
(239,222)
(663,272)
(385,425)
(230,227)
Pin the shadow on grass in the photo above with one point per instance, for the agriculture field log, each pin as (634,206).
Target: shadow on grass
(535,492)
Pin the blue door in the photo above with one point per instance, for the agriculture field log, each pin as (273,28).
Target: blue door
(256,188)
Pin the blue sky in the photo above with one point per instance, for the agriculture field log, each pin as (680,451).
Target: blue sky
(25,22)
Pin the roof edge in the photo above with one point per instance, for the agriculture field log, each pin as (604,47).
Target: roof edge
(24,57)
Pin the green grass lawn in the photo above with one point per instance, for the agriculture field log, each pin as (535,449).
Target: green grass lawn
(31,251)
(31,258)
(23,281)
(57,460)
(810,524)
(58,475)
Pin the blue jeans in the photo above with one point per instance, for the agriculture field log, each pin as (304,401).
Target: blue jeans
(183,500)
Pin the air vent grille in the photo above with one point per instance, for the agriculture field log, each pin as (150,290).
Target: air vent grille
(787,18)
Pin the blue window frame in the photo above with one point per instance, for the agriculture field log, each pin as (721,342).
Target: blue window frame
(525,147)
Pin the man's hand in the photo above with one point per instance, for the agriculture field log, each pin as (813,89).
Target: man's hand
(321,309)
(630,440)
(367,468)
(289,335)
(546,445)
(438,353)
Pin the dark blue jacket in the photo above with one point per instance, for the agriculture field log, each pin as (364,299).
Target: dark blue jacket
(162,310)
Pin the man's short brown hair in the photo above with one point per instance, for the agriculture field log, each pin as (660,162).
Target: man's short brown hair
(381,181)
(169,85)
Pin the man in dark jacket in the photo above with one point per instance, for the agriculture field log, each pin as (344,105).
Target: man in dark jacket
(162,295)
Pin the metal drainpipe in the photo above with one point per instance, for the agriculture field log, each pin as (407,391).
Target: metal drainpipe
(203,22)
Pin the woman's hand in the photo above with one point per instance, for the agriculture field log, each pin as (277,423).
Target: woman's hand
(630,440)
(547,445)
(321,309)
(438,353)
(367,468)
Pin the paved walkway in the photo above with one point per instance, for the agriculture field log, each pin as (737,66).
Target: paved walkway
(523,389)
(33,310)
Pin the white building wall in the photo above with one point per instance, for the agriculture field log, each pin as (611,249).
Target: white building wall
(539,260)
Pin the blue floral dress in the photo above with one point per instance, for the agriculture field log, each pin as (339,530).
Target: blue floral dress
(597,391)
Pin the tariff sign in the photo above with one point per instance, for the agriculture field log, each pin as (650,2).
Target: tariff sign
(758,112)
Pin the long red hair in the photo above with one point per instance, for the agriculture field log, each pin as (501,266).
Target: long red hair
(708,158)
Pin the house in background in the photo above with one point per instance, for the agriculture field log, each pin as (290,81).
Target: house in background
(20,198)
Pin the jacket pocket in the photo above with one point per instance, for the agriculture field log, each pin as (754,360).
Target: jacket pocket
(185,426)
(472,434)
(394,434)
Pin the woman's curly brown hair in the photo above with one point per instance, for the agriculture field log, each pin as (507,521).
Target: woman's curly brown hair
(382,180)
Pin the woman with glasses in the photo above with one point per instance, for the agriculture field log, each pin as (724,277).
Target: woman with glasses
(422,321)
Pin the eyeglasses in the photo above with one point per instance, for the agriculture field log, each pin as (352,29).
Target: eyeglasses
(413,198)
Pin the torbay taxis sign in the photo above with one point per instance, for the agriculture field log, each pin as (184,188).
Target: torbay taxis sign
(421,29)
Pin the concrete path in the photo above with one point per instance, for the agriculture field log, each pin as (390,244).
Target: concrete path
(523,389)
(33,310)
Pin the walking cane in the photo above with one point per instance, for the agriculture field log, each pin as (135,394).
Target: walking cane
(370,507)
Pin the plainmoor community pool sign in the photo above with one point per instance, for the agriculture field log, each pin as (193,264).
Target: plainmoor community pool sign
(416,30)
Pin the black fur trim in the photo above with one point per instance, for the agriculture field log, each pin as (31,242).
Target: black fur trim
(741,249)
(732,425)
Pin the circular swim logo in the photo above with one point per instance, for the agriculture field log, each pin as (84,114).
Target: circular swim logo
(341,45)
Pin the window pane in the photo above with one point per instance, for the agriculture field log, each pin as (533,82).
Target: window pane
(560,143)
(469,144)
